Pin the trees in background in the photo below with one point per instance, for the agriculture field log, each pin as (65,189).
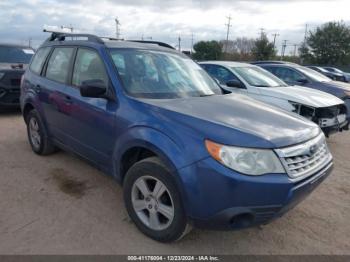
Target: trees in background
(239,49)
(263,49)
(207,50)
(329,44)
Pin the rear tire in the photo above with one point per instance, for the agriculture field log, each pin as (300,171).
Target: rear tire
(37,134)
(153,201)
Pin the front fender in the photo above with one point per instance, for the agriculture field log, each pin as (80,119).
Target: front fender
(170,152)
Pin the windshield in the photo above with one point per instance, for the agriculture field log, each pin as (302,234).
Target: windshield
(161,75)
(315,76)
(256,76)
(10,54)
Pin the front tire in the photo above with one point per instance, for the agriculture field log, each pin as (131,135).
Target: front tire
(153,201)
(38,135)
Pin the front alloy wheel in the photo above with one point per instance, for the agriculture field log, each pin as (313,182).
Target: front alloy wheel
(153,201)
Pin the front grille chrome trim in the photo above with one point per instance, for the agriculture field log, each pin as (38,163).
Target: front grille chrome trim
(303,160)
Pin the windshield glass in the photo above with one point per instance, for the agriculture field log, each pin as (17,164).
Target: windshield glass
(315,76)
(161,75)
(10,54)
(256,76)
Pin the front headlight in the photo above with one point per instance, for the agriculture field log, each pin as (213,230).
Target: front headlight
(2,75)
(247,161)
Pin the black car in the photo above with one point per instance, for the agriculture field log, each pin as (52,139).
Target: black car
(332,75)
(13,61)
(294,74)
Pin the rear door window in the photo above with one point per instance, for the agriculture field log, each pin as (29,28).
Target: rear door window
(286,74)
(39,60)
(58,65)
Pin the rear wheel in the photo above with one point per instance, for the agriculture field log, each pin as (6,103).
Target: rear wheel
(153,201)
(38,135)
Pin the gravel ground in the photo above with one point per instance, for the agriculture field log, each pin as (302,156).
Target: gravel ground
(61,205)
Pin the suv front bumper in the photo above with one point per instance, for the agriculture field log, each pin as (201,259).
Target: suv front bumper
(219,198)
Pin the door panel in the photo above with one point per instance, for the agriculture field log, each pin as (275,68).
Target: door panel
(91,120)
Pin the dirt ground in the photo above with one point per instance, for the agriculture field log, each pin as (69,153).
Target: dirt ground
(61,205)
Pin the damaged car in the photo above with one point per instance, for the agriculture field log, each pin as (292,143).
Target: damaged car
(13,61)
(328,111)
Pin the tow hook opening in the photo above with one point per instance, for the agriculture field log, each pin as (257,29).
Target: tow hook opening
(242,220)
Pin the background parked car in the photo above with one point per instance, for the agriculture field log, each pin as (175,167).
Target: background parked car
(13,61)
(294,74)
(336,70)
(332,75)
(324,109)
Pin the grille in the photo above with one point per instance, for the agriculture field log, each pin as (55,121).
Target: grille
(16,82)
(303,160)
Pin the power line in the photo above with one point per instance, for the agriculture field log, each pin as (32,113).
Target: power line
(229,18)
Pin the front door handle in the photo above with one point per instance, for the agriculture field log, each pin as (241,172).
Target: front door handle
(68,100)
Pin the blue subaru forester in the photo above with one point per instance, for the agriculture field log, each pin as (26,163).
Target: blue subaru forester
(186,153)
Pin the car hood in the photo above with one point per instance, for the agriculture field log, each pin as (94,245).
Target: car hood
(336,88)
(235,120)
(302,95)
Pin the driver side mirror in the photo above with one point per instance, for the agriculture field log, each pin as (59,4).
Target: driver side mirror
(93,88)
(302,81)
(235,83)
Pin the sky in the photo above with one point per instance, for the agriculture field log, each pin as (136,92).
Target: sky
(166,20)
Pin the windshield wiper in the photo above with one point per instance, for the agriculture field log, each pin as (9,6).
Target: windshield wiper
(260,85)
(204,95)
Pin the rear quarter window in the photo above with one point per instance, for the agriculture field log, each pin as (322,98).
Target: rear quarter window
(39,60)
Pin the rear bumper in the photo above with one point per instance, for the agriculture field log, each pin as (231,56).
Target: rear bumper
(235,201)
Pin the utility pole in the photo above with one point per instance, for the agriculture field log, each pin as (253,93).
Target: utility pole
(70,27)
(262,32)
(229,18)
(274,39)
(30,42)
(305,34)
(179,39)
(192,39)
(284,45)
(117,28)
(295,50)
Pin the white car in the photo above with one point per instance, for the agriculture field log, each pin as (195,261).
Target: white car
(328,111)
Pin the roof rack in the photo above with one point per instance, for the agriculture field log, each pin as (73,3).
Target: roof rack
(61,36)
(152,42)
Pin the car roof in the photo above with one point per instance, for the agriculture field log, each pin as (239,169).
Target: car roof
(88,40)
(227,63)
